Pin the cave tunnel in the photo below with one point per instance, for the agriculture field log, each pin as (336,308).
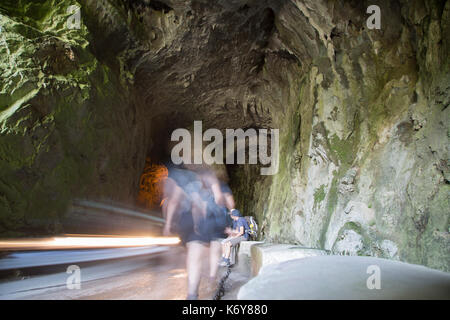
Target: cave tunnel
(92,92)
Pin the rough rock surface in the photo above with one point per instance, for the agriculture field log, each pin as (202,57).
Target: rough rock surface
(364,136)
(363,114)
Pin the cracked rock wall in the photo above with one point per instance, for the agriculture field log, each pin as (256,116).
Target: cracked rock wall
(365,134)
(67,123)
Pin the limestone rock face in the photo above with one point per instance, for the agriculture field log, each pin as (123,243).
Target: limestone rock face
(363,113)
(364,151)
(67,123)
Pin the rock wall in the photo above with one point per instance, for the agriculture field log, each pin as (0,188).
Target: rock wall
(68,126)
(364,160)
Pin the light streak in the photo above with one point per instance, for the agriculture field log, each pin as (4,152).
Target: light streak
(85,242)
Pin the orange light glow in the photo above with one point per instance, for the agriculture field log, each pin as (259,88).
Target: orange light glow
(85,242)
(151,184)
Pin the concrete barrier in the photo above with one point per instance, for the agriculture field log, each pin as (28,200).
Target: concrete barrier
(246,246)
(244,262)
(266,254)
(346,277)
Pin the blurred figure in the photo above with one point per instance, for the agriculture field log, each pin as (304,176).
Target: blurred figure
(195,209)
(176,200)
(227,196)
(228,206)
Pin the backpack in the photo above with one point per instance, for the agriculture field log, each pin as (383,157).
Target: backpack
(253,227)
